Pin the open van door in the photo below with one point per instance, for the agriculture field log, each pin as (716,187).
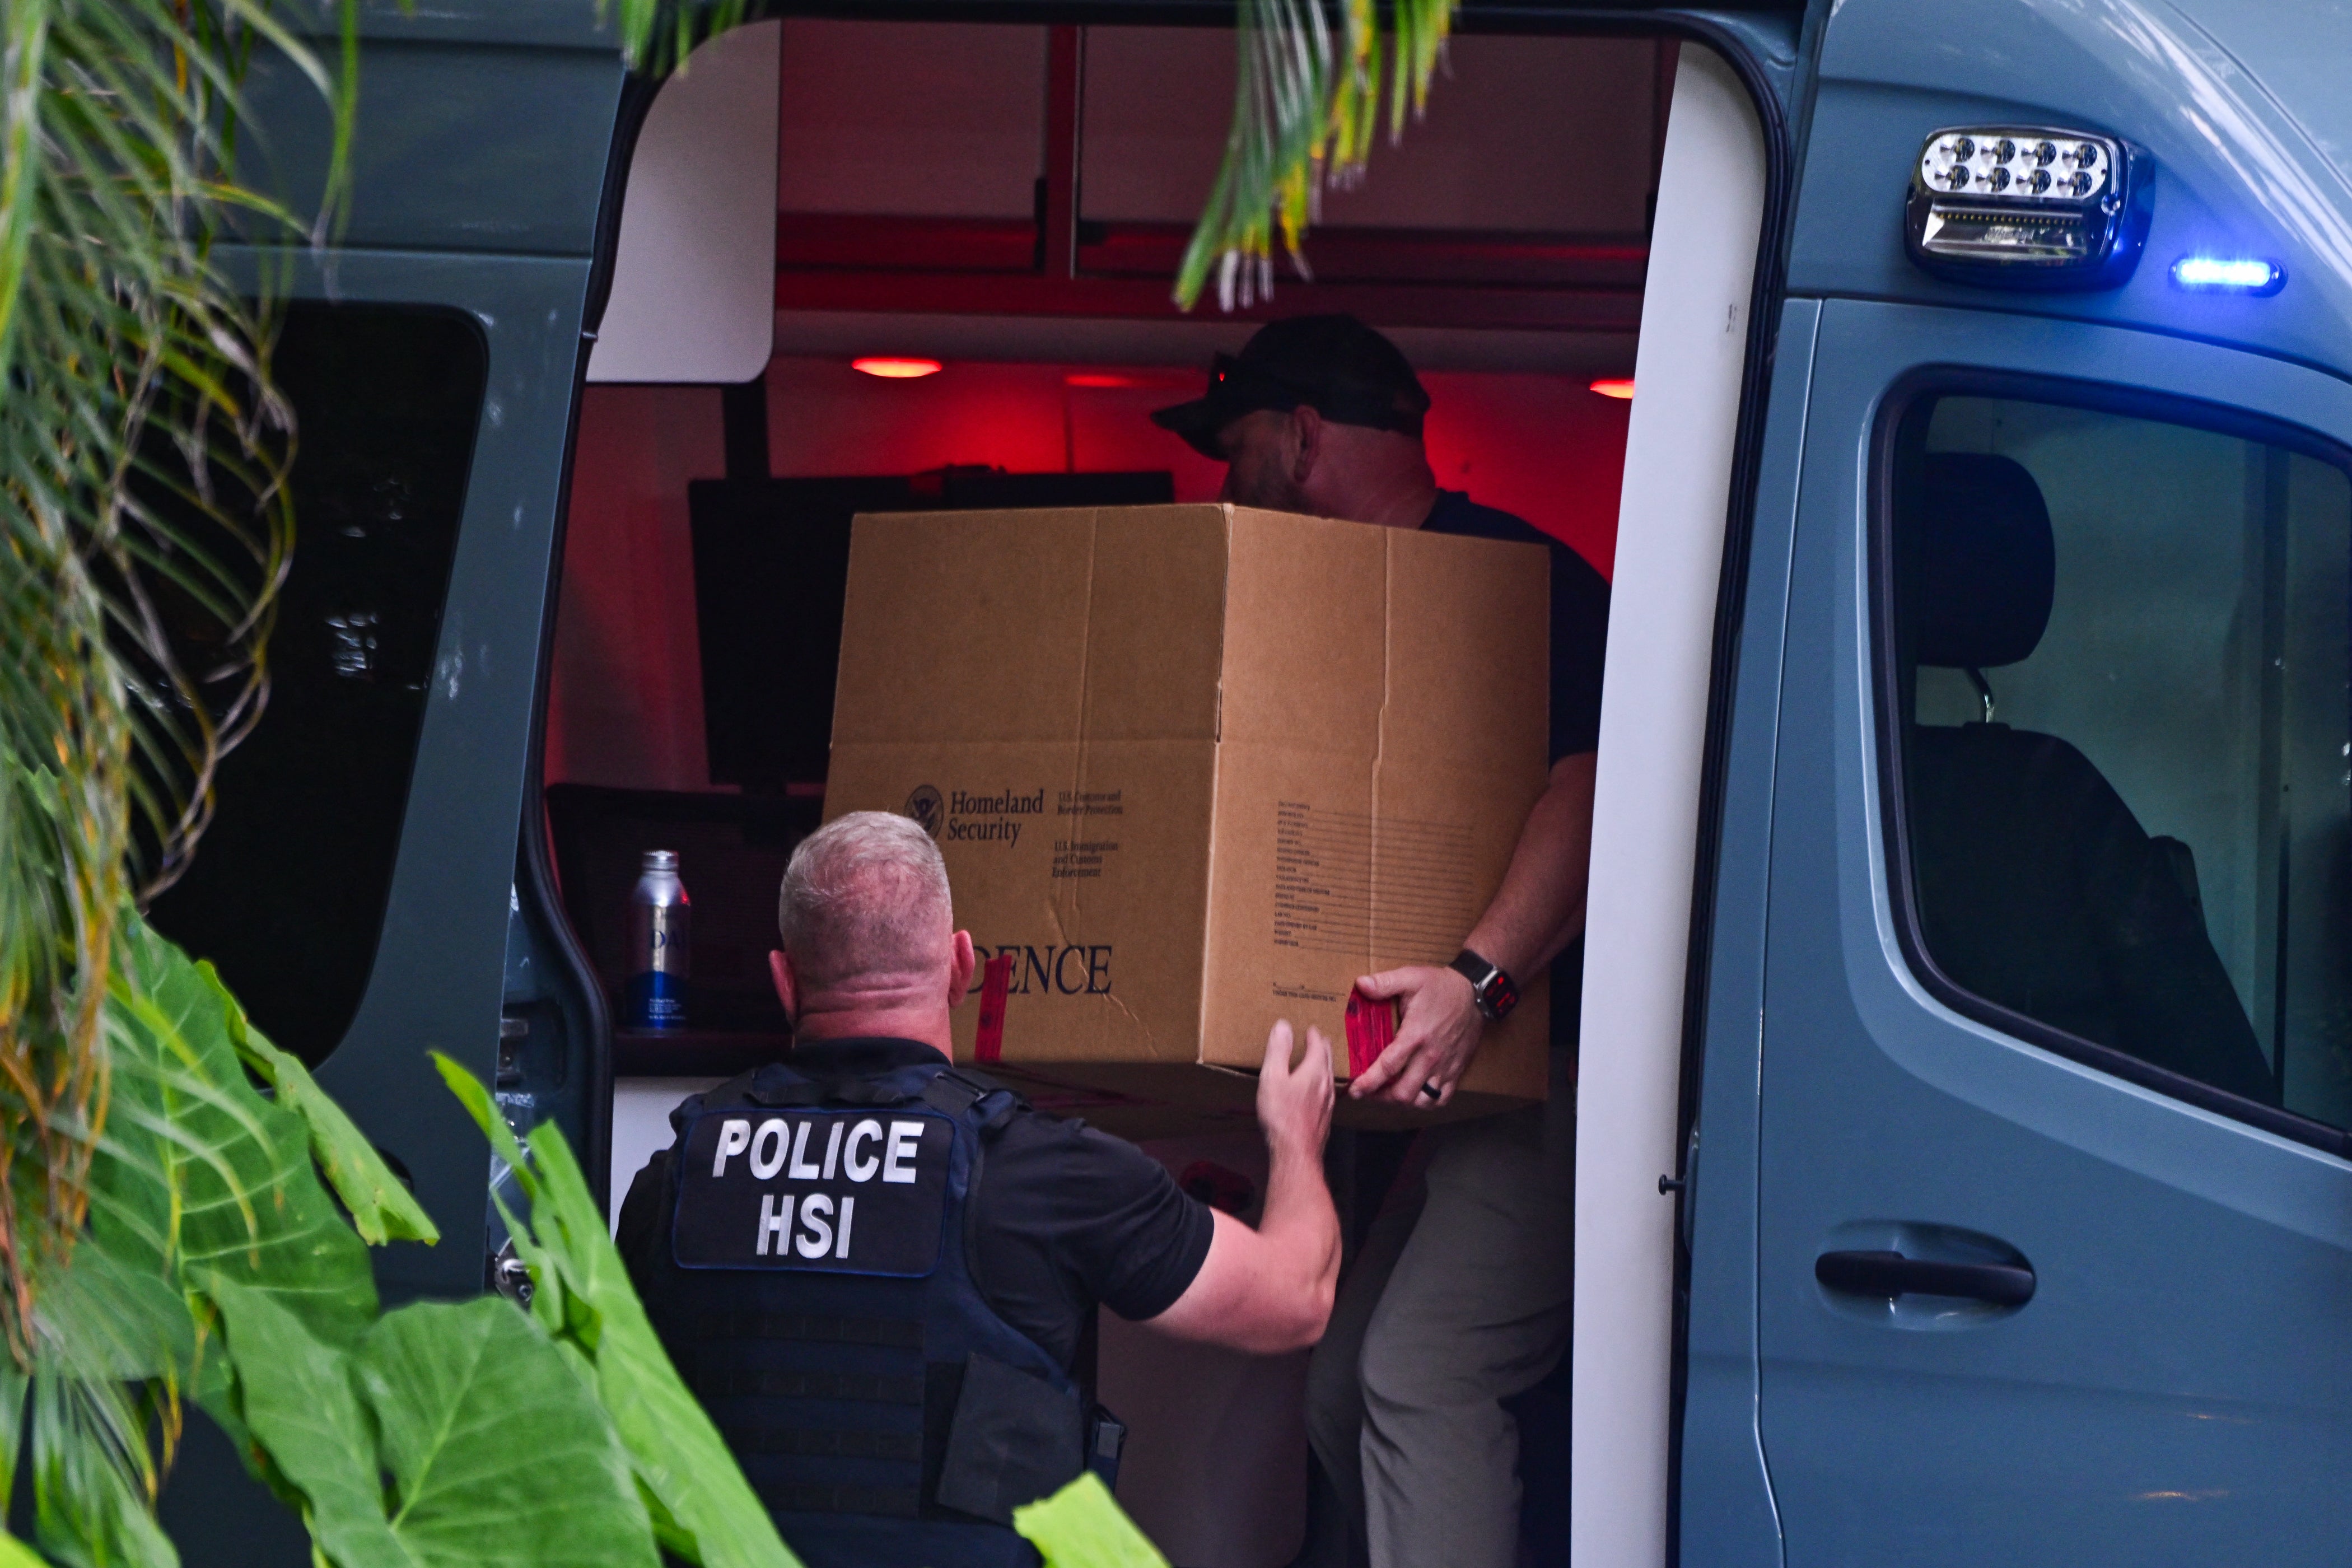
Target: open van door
(371,886)
(2036,838)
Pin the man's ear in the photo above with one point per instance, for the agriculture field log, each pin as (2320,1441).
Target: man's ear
(959,967)
(779,970)
(1307,443)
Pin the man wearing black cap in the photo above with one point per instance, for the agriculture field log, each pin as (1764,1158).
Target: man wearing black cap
(1460,1299)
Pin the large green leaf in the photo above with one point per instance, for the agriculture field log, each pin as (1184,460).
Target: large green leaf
(707,1510)
(299,1405)
(1081,1526)
(197,1171)
(500,1457)
(381,1208)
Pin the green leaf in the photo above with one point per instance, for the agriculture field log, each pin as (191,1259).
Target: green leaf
(300,1407)
(197,1172)
(26,30)
(1081,1526)
(14,1553)
(14,1385)
(381,1207)
(1306,96)
(499,1454)
(705,1508)
(93,1481)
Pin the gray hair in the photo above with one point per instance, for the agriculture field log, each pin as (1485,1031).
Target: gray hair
(865,894)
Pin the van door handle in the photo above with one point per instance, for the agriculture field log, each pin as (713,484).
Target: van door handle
(1890,1274)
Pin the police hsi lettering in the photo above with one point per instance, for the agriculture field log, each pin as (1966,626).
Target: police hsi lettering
(861,1151)
(844,1189)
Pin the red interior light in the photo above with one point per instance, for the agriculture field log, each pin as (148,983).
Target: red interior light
(1099,378)
(895,369)
(1621,387)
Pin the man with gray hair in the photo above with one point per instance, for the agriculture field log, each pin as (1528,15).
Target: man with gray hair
(876,1268)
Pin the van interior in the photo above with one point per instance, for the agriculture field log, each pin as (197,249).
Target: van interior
(975,229)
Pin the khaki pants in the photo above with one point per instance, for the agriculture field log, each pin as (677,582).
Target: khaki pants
(1459,1300)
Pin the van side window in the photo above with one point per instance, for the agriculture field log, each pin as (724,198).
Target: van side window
(2121,664)
(288,888)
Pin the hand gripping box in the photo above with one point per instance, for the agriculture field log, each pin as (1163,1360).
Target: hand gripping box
(1194,769)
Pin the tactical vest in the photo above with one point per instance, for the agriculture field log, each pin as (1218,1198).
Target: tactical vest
(815,1286)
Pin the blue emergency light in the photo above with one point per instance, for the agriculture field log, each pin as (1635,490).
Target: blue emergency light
(2028,207)
(2228,275)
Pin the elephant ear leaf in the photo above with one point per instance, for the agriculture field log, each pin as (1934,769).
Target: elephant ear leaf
(299,1405)
(1082,1527)
(489,1437)
(382,1208)
(197,1171)
(705,1508)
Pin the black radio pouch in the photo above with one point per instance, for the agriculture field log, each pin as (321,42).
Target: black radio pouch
(1015,1438)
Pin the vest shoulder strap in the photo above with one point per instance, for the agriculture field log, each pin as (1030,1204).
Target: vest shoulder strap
(959,1093)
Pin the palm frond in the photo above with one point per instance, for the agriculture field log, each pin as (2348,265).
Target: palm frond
(144,528)
(1307,95)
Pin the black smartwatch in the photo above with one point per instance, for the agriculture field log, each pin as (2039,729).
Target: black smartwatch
(1492,991)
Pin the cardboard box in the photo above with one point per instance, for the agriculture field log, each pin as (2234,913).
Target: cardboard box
(1198,768)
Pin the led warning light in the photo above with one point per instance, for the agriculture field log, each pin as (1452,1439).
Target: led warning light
(894,368)
(2228,275)
(2026,206)
(1619,387)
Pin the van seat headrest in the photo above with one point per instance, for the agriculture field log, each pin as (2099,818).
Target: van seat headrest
(1986,566)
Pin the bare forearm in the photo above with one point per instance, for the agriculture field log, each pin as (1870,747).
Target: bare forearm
(1269,1290)
(1539,909)
(1301,1228)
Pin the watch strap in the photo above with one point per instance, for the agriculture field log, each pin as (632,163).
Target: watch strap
(1492,991)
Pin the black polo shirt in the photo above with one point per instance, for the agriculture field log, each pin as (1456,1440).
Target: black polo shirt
(1579,638)
(1067,1217)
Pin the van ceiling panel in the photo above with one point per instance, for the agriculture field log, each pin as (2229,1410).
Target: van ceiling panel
(1572,119)
(941,119)
(974,170)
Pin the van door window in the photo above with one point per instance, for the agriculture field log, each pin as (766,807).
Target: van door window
(2120,665)
(287,888)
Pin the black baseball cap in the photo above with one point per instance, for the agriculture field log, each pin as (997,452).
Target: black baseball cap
(1334,365)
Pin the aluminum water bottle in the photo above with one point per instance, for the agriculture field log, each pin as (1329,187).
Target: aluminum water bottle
(661,945)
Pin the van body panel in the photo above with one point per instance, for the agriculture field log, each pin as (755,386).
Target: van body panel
(1726,1514)
(440,968)
(2179,1389)
(2241,163)
(458,146)
(440,963)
